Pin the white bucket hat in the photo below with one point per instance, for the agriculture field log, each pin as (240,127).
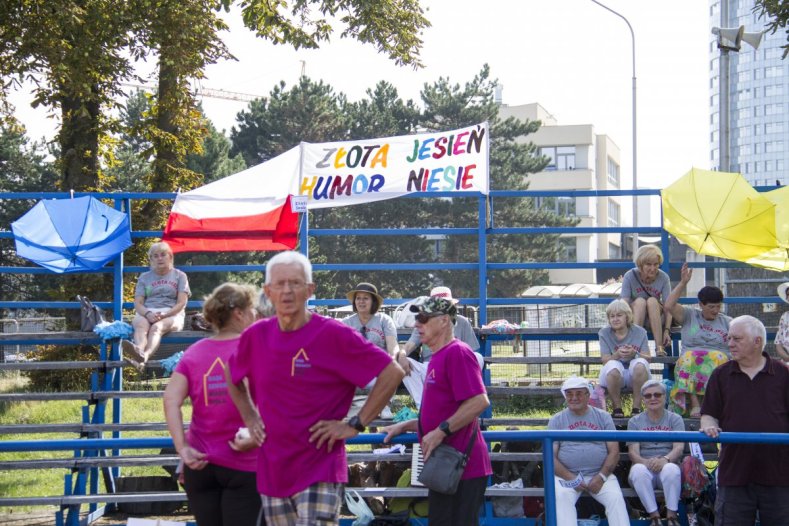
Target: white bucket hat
(576,382)
(443,292)
(782,288)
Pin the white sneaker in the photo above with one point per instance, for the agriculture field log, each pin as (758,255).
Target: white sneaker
(386,413)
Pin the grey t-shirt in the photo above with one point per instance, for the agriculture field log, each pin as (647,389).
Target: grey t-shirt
(635,339)
(161,292)
(462,331)
(670,421)
(378,328)
(582,457)
(698,333)
(632,289)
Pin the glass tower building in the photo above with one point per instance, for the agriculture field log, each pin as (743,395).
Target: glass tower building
(758,95)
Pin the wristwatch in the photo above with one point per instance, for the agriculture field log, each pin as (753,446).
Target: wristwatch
(444,426)
(604,477)
(355,423)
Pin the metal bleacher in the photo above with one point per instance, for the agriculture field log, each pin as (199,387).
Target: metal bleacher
(99,451)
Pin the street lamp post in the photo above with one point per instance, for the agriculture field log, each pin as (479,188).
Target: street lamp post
(635,147)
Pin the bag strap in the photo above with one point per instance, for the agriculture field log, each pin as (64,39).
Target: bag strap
(635,275)
(470,440)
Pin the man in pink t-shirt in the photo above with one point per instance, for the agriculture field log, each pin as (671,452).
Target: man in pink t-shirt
(453,398)
(302,370)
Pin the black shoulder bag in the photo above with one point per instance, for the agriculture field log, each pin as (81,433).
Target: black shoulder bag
(443,469)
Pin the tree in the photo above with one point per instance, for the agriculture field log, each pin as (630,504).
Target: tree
(450,106)
(778,13)
(215,161)
(382,114)
(309,111)
(23,168)
(76,54)
(393,27)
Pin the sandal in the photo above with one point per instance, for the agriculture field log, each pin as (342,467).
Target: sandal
(660,351)
(695,412)
(635,411)
(618,413)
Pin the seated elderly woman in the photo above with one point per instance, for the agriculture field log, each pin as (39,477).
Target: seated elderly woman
(705,336)
(625,356)
(645,289)
(655,464)
(159,303)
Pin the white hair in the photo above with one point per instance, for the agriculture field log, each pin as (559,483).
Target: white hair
(290,257)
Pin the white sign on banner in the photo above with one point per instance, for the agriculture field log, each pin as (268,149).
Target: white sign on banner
(353,172)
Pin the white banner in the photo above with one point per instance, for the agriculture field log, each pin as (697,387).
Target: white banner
(353,172)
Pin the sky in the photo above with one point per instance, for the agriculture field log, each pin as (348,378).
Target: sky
(573,57)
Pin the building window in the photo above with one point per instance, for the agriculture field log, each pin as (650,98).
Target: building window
(773,146)
(563,206)
(774,127)
(614,251)
(567,249)
(774,109)
(774,91)
(744,131)
(744,94)
(779,165)
(745,149)
(613,213)
(773,71)
(559,157)
(743,113)
(613,172)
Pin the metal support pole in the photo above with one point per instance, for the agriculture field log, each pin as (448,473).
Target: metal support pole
(635,141)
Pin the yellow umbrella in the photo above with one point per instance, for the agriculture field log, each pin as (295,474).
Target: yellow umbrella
(777,258)
(719,214)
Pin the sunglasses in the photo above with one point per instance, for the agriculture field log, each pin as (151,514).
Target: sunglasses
(424,317)
(650,396)
(364,330)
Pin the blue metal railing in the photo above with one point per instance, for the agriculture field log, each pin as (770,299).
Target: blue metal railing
(485,230)
(546,438)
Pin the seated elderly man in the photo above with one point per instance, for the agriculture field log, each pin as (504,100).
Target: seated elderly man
(585,466)
(656,464)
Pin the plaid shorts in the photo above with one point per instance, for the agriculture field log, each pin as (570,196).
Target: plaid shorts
(317,505)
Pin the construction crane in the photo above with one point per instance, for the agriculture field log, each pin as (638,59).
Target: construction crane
(203,92)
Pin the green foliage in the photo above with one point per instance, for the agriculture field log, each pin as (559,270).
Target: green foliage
(776,15)
(394,26)
(23,168)
(309,111)
(57,380)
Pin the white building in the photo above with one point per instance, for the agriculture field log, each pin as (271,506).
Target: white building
(580,160)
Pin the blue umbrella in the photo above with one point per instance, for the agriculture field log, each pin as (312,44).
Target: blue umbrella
(71,235)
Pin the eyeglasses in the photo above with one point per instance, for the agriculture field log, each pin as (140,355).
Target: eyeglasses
(293,284)
(424,317)
(650,396)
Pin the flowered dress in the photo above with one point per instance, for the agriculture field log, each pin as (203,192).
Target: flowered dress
(705,347)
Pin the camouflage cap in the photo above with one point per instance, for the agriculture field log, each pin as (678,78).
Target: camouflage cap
(436,305)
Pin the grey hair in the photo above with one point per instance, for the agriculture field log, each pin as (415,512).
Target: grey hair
(290,257)
(653,383)
(753,326)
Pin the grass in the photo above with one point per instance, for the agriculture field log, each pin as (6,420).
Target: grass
(48,482)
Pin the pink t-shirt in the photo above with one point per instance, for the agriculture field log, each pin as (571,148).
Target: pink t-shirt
(215,419)
(453,376)
(296,379)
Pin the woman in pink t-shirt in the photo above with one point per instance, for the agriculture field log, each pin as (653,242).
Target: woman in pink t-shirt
(219,477)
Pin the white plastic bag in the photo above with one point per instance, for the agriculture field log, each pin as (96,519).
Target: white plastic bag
(359,508)
(403,317)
